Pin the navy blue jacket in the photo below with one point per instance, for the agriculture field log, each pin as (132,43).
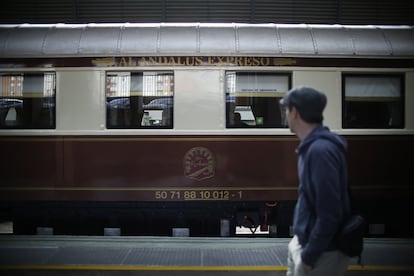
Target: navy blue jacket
(323,201)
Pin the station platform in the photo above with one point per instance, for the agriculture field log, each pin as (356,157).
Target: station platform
(121,255)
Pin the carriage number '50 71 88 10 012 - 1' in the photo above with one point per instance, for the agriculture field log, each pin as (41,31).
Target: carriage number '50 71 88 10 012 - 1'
(198,195)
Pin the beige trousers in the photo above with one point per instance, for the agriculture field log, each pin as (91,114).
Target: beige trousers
(332,263)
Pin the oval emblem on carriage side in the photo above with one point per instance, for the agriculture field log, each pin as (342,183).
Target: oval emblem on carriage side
(199,164)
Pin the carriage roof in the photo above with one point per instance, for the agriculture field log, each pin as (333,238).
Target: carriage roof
(204,39)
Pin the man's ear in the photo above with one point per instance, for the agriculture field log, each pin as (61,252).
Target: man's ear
(295,112)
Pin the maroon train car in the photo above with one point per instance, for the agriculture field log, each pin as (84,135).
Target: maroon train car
(154,127)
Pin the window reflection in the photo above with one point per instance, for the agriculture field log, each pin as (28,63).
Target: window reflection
(28,101)
(139,99)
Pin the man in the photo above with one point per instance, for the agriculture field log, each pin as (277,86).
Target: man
(237,121)
(323,201)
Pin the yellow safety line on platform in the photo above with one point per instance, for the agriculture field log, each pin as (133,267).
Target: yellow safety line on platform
(187,268)
(380,268)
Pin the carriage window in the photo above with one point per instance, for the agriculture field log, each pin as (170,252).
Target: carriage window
(373,101)
(27,101)
(139,99)
(252,99)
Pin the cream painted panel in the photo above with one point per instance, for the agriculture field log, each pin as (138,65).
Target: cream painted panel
(330,84)
(198,100)
(79,101)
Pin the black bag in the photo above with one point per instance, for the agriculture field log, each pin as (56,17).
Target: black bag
(350,239)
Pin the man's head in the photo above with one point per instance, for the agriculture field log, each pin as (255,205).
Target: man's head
(308,101)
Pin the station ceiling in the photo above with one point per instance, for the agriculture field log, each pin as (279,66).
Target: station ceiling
(376,12)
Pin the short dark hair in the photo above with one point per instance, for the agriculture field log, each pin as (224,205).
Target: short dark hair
(308,101)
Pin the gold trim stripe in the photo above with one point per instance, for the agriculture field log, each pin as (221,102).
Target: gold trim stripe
(150,189)
(225,137)
(147,189)
(158,138)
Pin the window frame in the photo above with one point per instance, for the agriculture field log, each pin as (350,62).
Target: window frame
(398,75)
(30,97)
(283,124)
(140,94)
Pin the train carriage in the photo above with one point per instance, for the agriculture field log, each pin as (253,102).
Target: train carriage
(155,127)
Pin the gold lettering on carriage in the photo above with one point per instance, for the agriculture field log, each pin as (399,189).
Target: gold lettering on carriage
(199,164)
(191,61)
